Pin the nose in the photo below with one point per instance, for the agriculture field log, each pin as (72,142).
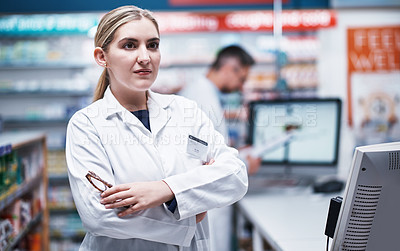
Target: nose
(143,57)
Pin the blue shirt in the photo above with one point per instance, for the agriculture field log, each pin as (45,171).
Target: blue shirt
(143,116)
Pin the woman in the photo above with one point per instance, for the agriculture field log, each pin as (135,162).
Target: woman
(167,163)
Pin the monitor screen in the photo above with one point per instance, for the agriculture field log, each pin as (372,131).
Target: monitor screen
(296,131)
(369,215)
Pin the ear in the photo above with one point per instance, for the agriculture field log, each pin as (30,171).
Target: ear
(100,57)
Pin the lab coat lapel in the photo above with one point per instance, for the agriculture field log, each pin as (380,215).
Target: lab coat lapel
(131,119)
(114,108)
(158,119)
(159,115)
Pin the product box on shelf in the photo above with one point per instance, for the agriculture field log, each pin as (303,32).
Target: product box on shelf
(9,168)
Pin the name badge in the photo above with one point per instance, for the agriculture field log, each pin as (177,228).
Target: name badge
(197,148)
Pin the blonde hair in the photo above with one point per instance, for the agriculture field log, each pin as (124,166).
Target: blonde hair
(106,29)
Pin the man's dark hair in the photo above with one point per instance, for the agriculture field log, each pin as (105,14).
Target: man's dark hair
(232,51)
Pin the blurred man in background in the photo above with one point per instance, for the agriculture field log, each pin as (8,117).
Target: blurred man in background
(226,74)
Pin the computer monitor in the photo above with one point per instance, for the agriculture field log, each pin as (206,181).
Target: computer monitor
(369,218)
(296,133)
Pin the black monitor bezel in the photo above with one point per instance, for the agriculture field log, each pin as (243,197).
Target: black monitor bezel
(337,101)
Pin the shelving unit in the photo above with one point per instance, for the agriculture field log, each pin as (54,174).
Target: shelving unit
(66,230)
(31,225)
(51,94)
(46,74)
(44,78)
(23,199)
(16,191)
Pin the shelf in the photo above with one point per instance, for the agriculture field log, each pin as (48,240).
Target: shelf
(57,180)
(35,121)
(55,148)
(77,235)
(58,177)
(42,66)
(33,223)
(39,93)
(184,65)
(206,63)
(16,191)
(302,61)
(66,224)
(17,139)
(62,210)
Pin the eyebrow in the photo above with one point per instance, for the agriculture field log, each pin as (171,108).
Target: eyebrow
(128,39)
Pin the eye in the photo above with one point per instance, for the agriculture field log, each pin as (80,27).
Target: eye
(128,45)
(153,45)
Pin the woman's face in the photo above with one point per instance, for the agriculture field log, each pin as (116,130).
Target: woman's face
(133,57)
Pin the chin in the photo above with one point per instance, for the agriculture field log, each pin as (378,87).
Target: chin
(142,86)
(226,90)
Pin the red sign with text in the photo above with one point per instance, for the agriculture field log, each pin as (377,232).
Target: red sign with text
(292,20)
(373,49)
(220,2)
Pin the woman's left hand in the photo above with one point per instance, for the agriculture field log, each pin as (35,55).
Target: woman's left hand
(200,216)
(138,196)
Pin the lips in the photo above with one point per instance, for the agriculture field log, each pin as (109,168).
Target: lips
(143,71)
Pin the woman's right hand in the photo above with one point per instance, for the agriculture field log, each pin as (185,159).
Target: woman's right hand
(136,196)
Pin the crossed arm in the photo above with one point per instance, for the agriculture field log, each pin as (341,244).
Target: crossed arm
(139,196)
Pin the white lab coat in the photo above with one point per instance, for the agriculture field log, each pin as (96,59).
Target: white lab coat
(207,97)
(107,139)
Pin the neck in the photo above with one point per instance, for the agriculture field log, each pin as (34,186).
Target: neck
(133,101)
(139,102)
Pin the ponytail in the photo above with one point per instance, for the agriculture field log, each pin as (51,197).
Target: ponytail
(101,86)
